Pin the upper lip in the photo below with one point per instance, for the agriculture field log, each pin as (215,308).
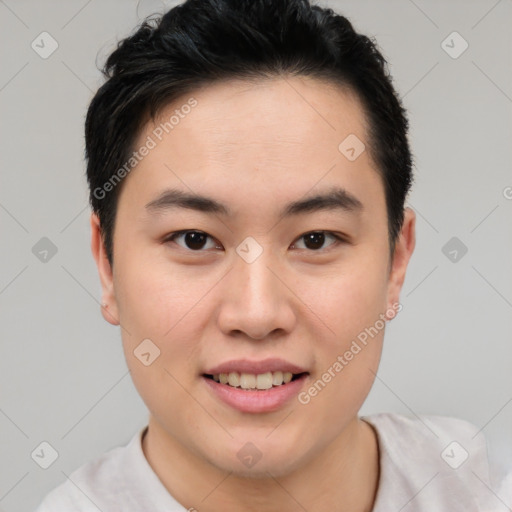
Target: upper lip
(255,367)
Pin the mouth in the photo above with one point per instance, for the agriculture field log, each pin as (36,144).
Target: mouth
(255,382)
(255,386)
(255,392)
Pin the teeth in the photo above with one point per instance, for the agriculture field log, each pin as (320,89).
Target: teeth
(277,378)
(264,380)
(233,379)
(252,381)
(247,381)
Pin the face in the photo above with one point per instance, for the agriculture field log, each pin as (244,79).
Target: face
(259,277)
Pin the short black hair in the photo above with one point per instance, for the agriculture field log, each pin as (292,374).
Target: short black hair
(200,42)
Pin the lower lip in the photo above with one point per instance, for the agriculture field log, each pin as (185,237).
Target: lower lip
(267,400)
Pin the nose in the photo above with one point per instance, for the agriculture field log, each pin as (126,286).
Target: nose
(255,300)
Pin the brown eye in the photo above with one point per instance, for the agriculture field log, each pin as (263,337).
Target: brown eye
(316,239)
(193,240)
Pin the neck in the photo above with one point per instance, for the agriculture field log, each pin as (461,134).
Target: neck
(344,476)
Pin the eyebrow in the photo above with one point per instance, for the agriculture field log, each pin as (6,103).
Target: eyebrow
(336,198)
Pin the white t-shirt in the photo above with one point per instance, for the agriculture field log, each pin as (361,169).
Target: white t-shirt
(427,464)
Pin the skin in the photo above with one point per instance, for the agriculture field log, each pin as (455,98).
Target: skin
(255,147)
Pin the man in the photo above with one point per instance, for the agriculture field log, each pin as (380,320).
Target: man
(248,166)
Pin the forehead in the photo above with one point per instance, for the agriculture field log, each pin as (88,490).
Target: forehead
(274,138)
(287,116)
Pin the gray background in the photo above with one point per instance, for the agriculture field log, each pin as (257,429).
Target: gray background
(63,378)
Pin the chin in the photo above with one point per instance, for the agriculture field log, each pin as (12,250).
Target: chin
(263,469)
(258,460)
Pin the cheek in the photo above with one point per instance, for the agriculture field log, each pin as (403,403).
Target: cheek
(158,299)
(348,358)
(350,309)
(349,300)
(166,308)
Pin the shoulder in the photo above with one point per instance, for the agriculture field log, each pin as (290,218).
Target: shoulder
(88,488)
(436,462)
(427,428)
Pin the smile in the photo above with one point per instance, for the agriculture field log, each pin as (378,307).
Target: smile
(259,394)
(251,381)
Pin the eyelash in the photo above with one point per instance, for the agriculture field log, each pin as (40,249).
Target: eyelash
(172,236)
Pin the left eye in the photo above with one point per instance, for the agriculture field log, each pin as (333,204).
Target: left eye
(315,239)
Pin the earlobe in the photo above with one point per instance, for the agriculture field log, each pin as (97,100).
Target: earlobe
(109,308)
(403,251)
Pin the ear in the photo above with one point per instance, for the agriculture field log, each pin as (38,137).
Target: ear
(403,251)
(109,308)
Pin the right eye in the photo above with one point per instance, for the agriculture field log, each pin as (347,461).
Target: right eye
(191,239)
